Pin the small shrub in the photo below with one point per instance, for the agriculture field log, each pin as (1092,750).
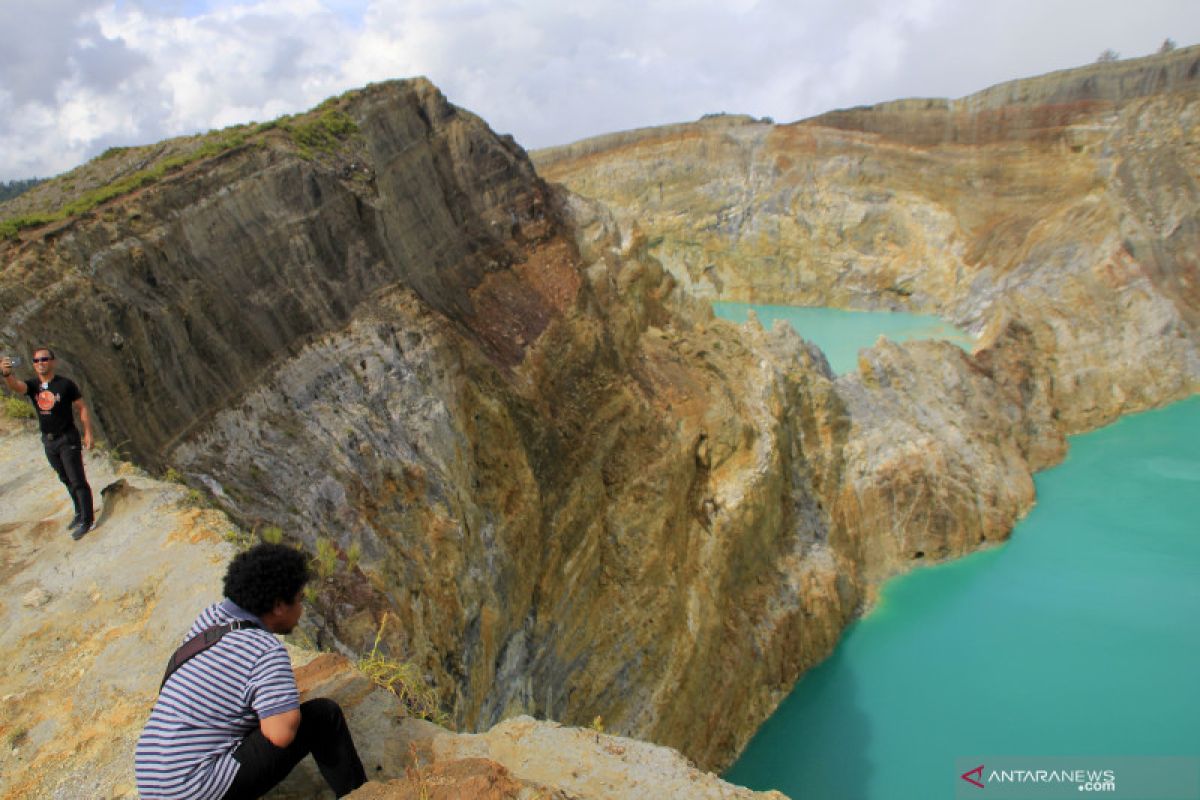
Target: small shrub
(113,451)
(272,534)
(353,554)
(322,134)
(17,408)
(242,541)
(173,475)
(326,558)
(404,680)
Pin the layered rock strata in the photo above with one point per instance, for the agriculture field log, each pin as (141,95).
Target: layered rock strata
(1058,214)
(501,423)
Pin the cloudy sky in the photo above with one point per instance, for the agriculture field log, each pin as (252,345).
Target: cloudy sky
(78,76)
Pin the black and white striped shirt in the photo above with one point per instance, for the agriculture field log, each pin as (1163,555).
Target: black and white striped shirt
(208,706)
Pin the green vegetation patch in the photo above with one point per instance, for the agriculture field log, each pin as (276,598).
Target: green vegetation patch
(320,134)
(16,408)
(212,145)
(326,559)
(9,227)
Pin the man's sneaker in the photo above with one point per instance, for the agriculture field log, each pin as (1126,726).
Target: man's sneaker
(74,523)
(82,528)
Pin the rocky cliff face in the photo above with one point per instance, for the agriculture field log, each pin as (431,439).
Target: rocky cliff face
(1056,217)
(501,420)
(180,295)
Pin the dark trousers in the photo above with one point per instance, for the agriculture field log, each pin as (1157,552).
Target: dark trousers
(65,454)
(323,732)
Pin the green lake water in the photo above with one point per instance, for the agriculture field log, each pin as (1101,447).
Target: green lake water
(1078,637)
(841,334)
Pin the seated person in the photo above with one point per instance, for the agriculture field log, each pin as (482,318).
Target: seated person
(228,723)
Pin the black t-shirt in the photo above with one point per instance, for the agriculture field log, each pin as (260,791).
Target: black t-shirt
(53,403)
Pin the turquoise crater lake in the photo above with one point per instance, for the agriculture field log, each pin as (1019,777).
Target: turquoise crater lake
(1080,636)
(841,334)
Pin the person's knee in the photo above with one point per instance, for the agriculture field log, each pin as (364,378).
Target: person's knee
(75,477)
(321,710)
(57,466)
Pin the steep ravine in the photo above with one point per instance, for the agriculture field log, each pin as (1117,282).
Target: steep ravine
(581,494)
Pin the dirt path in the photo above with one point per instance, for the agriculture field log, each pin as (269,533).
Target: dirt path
(86,625)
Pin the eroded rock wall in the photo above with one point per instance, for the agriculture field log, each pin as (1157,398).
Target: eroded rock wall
(1059,211)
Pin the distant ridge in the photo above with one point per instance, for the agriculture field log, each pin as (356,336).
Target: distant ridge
(1112,82)
(1026,107)
(612,141)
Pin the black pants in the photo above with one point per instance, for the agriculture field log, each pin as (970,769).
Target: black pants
(65,454)
(323,732)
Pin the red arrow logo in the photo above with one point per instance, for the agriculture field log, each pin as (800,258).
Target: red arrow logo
(977,772)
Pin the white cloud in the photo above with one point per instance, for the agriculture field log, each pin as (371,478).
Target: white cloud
(77,76)
(255,59)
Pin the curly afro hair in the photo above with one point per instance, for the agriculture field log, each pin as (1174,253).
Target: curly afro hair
(264,575)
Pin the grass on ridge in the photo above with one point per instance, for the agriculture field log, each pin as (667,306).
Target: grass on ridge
(211,146)
(319,131)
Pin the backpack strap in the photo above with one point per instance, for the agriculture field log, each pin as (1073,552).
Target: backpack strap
(201,642)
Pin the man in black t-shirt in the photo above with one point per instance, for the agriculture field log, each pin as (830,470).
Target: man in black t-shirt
(54,398)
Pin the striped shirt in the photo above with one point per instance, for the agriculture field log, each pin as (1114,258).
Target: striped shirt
(208,706)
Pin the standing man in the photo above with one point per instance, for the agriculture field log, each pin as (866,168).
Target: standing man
(228,723)
(54,397)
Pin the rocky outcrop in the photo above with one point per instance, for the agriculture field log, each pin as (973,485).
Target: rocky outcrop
(519,758)
(1057,214)
(496,417)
